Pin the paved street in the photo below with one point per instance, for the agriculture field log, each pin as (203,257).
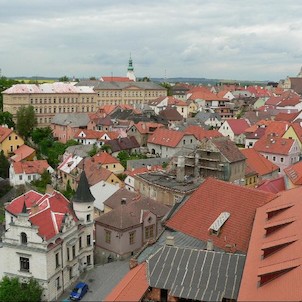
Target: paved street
(101,280)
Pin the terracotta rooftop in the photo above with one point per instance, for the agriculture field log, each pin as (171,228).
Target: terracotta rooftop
(238,126)
(199,213)
(46,211)
(171,115)
(272,185)
(294,173)
(258,162)
(104,158)
(4,133)
(147,127)
(201,133)
(275,145)
(286,117)
(132,287)
(22,153)
(88,134)
(273,268)
(30,167)
(277,127)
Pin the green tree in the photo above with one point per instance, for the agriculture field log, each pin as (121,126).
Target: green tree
(4,166)
(92,78)
(40,134)
(64,79)
(106,148)
(13,290)
(69,192)
(6,118)
(168,87)
(41,183)
(26,121)
(123,156)
(93,151)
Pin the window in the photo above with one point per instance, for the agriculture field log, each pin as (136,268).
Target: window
(88,217)
(24,264)
(88,239)
(57,260)
(80,243)
(132,237)
(73,251)
(274,158)
(23,238)
(58,283)
(281,159)
(67,252)
(89,260)
(9,138)
(107,236)
(149,231)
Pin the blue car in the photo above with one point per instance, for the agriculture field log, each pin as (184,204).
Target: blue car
(79,291)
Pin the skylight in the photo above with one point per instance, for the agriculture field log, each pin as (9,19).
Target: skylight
(218,223)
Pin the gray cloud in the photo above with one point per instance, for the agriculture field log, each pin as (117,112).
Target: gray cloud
(215,39)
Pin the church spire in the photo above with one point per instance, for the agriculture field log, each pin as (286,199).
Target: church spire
(130,70)
(83,193)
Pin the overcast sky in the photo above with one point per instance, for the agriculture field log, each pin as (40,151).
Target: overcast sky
(226,39)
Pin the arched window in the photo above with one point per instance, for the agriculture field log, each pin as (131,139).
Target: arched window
(23,238)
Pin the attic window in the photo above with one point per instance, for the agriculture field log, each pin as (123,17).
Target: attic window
(275,248)
(218,223)
(275,211)
(265,278)
(272,228)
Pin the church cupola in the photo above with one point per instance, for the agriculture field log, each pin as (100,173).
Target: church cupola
(83,200)
(130,70)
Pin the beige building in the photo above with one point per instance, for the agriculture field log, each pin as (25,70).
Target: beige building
(85,96)
(49,99)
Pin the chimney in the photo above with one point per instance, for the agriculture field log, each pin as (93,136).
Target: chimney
(170,240)
(123,201)
(180,170)
(210,246)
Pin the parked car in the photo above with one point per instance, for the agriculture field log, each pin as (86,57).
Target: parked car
(79,291)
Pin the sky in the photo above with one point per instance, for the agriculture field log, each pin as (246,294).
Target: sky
(225,39)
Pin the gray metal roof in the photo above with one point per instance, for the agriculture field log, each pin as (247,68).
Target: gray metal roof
(180,240)
(196,274)
(71,119)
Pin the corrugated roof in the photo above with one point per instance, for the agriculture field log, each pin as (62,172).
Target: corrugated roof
(193,274)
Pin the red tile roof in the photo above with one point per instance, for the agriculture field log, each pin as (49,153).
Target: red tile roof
(294,173)
(286,117)
(273,268)
(22,153)
(277,127)
(88,134)
(258,162)
(4,133)
(171,114)
(201,133)
(132,287)
(147,127)
(273,185)
(166,137)
(30,167)
(45,211)
(274,145)
(213,197)
(104,158)
(238,126)
(143,170)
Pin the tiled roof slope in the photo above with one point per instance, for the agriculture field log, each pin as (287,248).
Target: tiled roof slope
(294,173)
(4,133)
(274,145)
(166,137)
(238,126)
(132,287)
(273,269)
(258,162)
(45,211)
(272,185)
(212,198)
(31,167)
(22,152)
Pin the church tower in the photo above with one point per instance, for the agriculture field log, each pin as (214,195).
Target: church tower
(130,70)
(83,201)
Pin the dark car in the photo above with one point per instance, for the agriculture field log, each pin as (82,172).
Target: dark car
(79,291)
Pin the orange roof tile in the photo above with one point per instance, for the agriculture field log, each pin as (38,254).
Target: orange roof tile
(272,185)
(104,158)
(273,268)
(274,145)
(22,152)
(294,173)
(197,214)
(132,287)
(30,167)
(147,127)
(4,133)
(277,127)
(238,126)
(258,162)
(89,134)
(286,117)
(166,137)
(201,133)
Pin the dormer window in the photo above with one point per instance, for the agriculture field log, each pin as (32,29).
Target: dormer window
(218,223)
(23,238)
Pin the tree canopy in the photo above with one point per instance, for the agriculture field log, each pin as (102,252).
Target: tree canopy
(6,118)
(64,79)
(26,121)
(13,290)
(4,166)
